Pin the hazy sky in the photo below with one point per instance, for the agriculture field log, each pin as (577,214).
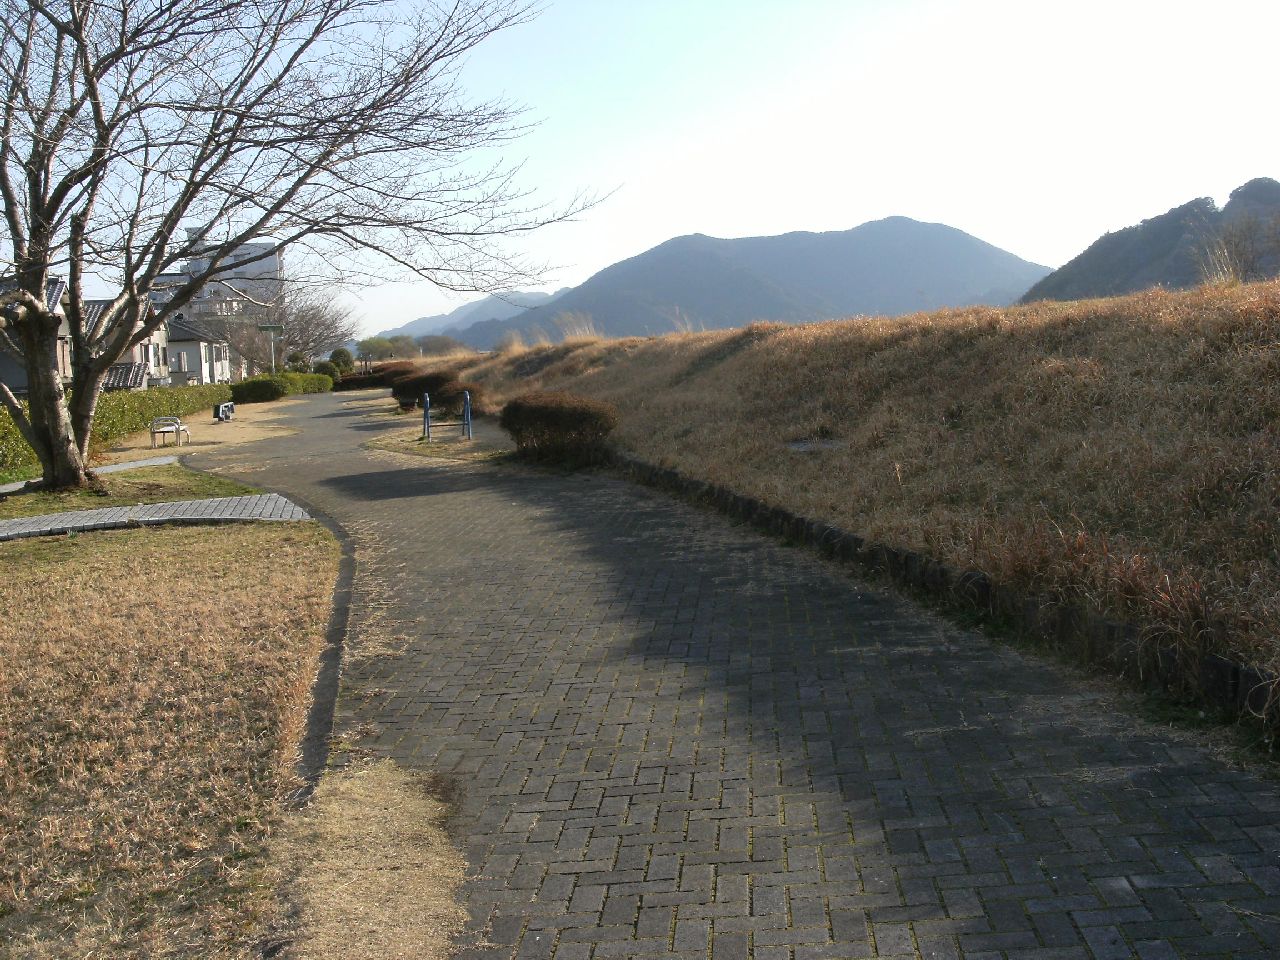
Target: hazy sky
(1035,126)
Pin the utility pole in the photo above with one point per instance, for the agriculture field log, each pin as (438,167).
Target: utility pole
(271,329)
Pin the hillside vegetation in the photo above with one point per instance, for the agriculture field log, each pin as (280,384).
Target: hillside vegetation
(1175,249)
(1124,452)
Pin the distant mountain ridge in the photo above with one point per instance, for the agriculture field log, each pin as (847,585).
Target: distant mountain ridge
(1162,251)
(885,267)
(498,306)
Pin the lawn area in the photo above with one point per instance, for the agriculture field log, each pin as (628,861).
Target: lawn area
(154,688)
(144,485)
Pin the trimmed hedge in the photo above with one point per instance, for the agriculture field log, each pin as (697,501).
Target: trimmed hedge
(359,381)
(260,389)
(118,414)
(559,426)
(447,398)
(268,387)
(412,385)
(308,382)
(329,369)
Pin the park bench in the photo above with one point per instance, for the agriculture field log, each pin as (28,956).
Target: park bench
(163,427)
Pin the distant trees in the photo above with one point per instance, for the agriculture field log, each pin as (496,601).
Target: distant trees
(312,323)
(1241,250)
(374,348)
(343,360)
(435,344)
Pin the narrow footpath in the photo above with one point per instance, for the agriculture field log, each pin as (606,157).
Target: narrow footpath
(672,736)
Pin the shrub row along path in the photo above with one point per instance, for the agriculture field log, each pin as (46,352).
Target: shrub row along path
(672,736)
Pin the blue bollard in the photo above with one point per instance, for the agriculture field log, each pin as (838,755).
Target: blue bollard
(426,416)
(466,412)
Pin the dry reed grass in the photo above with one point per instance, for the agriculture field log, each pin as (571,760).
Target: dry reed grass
(372,869)
(1125,451)
(153,690)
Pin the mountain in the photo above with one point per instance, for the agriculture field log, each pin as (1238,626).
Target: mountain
(499,306)
(1166,250)
(891,266)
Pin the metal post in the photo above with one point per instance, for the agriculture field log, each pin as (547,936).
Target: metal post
(273,352)
(466,412)
(426,416)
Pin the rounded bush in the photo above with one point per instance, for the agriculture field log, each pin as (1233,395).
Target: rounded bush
(308,382)
(390,369)
(559,426)
(413,384)
(359,381)
(448,397)
(343,360)
(262,389)
(327,368)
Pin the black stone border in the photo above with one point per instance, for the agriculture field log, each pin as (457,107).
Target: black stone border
(1234,689)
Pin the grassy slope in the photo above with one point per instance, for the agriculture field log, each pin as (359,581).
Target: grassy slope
(1126,451)
(155,686)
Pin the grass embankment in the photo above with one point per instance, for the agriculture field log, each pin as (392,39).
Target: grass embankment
(154,688)
(1122,452)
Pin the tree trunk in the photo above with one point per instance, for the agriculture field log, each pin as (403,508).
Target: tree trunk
(61,460)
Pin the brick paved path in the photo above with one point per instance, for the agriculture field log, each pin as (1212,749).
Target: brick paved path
(268,506)
(672,736)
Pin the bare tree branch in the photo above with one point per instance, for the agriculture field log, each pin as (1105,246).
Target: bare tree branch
(141,135)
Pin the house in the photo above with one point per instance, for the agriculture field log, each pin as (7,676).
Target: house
(197,355)
(13,369)
(144,365)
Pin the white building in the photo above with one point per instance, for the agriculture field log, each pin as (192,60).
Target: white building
(252,285)
(197,356)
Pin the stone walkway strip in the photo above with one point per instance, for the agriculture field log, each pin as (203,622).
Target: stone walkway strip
(263,506)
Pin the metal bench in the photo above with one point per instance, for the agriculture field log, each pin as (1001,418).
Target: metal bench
(163,427)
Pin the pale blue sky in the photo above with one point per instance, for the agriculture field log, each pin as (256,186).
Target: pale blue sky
(1035,126)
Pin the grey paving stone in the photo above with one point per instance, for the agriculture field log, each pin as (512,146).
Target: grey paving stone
(672,736)
(267,506)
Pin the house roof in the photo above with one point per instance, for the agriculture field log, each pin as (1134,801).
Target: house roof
(93,310)
(188,329)
(125,376)
(54,289)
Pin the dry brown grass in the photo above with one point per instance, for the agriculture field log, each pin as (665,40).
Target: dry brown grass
(144,485)
(373,872)
(253,422)
(1123,451)
(153,689)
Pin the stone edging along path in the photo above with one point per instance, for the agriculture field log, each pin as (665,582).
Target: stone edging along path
(1217,682)
(264,506)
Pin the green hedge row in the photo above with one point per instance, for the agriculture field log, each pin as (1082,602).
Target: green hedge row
(118,414)
(273,386)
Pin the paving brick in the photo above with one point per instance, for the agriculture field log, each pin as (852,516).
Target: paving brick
(673,736)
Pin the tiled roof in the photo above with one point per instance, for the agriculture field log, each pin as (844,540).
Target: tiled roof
(93,310)
(188,329)
(54,288)
(125,376)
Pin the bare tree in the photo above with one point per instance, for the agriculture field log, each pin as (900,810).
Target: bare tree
(312,323)
(335,126)
(1235,252)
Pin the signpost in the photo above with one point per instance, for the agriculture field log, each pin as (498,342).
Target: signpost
(271,329)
